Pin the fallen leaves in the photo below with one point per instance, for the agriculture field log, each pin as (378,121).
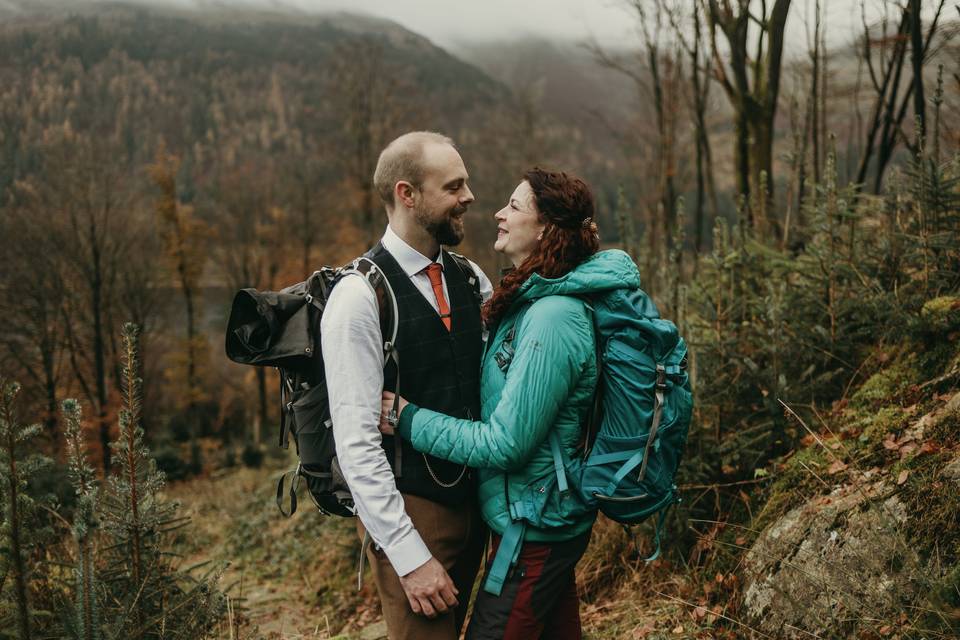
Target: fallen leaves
(902,478)
(906,446)
(836,467)
(928,447)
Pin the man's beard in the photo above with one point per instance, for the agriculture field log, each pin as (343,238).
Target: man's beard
(447,231)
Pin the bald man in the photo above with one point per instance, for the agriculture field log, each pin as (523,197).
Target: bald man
(419,511)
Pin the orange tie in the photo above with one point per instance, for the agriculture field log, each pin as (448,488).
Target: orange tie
(433,272)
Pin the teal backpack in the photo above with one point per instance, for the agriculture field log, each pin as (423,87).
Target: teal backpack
(639,423)
(642,414)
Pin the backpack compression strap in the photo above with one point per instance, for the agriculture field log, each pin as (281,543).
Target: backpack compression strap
(507,554)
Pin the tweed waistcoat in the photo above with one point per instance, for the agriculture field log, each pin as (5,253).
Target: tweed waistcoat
(438,369)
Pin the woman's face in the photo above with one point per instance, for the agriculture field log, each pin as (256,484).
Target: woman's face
(519,225)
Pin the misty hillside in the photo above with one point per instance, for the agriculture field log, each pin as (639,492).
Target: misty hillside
(561,77)
(202,44)
(267,91)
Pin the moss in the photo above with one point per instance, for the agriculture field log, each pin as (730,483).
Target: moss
(941,314)
(889,384)
(795,485)
(874,426)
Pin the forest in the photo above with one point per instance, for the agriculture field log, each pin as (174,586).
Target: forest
(794,207)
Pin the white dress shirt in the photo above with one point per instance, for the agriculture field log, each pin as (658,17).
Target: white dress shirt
(353,360)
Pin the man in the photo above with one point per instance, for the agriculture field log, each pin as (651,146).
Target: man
(419,511)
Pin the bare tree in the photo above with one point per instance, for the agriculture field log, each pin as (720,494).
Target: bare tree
(817,54)
(31,297)
(86,195)
(699,101)
(369,93)
(885,54)
(657,79)
(752,84)
(252,249)
(184,237)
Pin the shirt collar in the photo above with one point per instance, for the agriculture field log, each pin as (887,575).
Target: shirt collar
(410,260)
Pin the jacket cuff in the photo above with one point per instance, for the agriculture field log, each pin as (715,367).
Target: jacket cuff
(405,425)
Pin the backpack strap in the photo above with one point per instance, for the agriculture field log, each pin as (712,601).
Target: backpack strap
(294,485)
(641,456)
(507,554)
(657,414)
(559,462)
(376,279)
(595,416)
(469,273)
(658,530)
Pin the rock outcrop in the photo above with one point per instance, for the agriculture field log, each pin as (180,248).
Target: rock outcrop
(848,563)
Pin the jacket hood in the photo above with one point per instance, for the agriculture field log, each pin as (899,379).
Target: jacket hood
(603,271)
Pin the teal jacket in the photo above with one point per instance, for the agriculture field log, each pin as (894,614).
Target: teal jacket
(551,374)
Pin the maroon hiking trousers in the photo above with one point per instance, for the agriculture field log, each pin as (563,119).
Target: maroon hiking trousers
(539,598)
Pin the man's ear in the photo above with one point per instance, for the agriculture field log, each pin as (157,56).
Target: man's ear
(405,193)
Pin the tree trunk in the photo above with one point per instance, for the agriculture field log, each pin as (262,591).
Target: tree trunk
(741,156)
(916,60)
(191,347)
(761,169)
(307,222)
(99,364)
(814,92)
(50,389)
(699,120)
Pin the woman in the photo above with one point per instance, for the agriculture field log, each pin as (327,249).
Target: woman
(538,379)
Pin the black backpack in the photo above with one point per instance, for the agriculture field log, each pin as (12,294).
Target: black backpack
(282,329)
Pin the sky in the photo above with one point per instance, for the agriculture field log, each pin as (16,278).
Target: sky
(451,23)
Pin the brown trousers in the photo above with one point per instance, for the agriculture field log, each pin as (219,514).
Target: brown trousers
(455,536)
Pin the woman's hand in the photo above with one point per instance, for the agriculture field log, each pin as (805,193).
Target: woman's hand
(386,407)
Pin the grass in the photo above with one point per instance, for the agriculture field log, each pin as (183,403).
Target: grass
(291,578)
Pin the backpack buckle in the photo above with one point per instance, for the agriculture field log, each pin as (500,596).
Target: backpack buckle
(661,377)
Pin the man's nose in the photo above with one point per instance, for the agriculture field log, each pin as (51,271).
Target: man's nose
(467,195)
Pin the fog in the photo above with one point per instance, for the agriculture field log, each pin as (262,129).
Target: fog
(452,24)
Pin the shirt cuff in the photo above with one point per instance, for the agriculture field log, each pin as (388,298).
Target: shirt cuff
(408,554)
(405,425)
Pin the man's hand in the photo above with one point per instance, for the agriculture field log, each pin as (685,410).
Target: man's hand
(386,406)
(429,589)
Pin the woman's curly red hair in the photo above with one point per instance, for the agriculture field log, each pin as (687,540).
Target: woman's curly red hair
(565,205)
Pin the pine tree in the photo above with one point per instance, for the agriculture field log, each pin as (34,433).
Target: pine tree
(149,596)
(18,536)
(83,621)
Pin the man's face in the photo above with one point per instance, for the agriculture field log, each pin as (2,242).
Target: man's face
(444,196)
